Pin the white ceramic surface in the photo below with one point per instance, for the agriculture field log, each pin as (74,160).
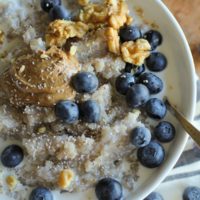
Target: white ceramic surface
(180,87)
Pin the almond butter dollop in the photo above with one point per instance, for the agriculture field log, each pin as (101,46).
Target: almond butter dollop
(41,78)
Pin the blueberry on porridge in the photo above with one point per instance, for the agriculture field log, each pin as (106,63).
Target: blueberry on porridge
(75,98)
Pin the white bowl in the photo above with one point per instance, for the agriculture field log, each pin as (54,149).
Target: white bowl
(180,88)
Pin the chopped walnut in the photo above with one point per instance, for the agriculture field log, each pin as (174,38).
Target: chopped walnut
(113,40)
(65,178)
(135,52)
(1,37)
(94,13)
(11,182)
(60,30)
(121,16)
(83,2)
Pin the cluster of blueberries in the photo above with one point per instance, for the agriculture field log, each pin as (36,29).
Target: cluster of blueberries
(137,86)
(55,9)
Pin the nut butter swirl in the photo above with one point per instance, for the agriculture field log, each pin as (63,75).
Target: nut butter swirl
(41,78)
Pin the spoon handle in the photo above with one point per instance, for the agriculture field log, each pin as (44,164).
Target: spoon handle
(188,127)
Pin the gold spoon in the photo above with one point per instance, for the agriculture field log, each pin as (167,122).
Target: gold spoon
(188,127)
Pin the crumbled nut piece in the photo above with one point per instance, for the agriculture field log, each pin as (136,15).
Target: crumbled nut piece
(129,20)
(42,129)
(1,37)
(73,50)
(135,52)
(113,40)
(60,30)
(83,2)
(119,18)
(65,178)
(94,13)
(11,182)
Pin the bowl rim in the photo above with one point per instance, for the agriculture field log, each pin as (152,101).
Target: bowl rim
(189,114)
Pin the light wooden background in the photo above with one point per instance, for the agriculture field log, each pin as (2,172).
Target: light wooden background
(187,12)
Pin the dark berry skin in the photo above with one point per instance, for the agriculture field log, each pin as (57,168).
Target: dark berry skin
(153,82)
(47,5)
(191,193)
(135,70)
(154,196)
(156,108)
(41,193)
(137,95)
(154,38)
(108,189)
(124,82)
(164,132)
(129,33)
(12,156)
(156,62)
(90,111)
(152,155)
(140,136)
(85,82)
(67,111)
(59,12)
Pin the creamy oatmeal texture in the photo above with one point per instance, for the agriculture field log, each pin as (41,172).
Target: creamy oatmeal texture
(38,66)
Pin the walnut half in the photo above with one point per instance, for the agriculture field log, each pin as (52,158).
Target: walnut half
(135,52)
(60,30)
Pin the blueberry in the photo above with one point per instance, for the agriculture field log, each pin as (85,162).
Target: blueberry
(85,82)
(153,82)
(164,131)
(152,155)
(154,38)
(129,33)
(136,70)
(140,136)
(90,111)
(155,108)
(108,189)
(59,12)
(156,62)
(12,156)
(137,95)
(154,196)
(46,5)
(41,193)
(124,82)
(191,193)
(67,111)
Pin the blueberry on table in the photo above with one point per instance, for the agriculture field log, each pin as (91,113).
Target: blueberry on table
(154,196)
(191,193)
(59,12)
(156,108)
(164,131)
(47,5)
(156,62)
(90,111)
(153,82)
(67,111)
(154,38)
(137,95)
(108,189)
(136,70)
(129,33)
(41,193)
(124,82)
(152,155)
(85,82)
(140,136)
(12,156)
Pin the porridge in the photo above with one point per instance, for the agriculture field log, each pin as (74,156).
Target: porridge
(75,96)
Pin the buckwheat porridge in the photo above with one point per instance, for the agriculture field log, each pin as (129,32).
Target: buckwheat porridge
(74,98)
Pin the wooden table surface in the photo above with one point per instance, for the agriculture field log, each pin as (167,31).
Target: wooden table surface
(187,12)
